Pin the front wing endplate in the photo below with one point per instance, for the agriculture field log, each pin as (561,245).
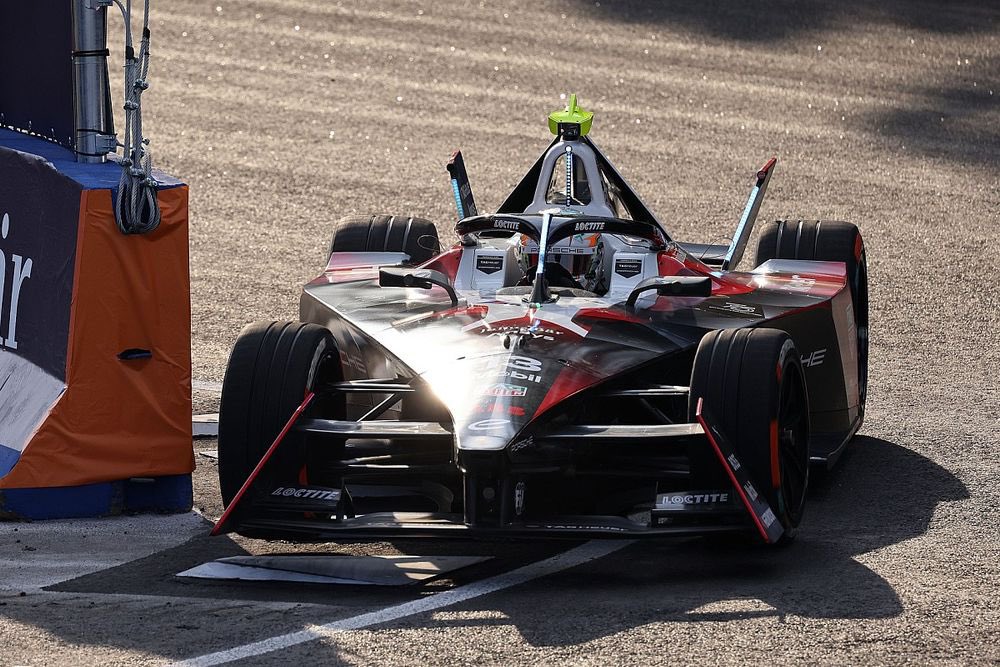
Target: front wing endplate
(760,511)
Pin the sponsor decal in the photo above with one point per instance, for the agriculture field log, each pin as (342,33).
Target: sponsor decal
(815,358)
(503,389)
(733,462)
(518,375)
(736,309)
(590,528)
(535,333)
(799,284)
(524,363)
(312,494)
(570,250)
(489,424)
(500,408)
(489,263)
(521,368)
(751,492)
(524,369)
(519,498)
(522,444)
(589,226)
(10,298)
(352,358)
(628,268)
(506,225)
(767,518)
(684,500)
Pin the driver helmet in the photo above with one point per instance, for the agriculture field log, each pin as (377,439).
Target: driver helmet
(581,255)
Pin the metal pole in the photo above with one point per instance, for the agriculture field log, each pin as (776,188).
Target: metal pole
(92,113)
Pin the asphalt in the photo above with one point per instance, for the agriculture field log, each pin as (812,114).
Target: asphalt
(284,116)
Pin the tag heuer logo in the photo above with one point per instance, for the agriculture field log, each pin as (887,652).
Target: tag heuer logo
(489,264)
(627,268)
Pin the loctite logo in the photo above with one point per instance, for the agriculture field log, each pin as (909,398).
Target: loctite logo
(589,226)
(314,494)
(683,500)
(10,297)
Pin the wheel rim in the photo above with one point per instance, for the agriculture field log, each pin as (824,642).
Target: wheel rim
(793,447)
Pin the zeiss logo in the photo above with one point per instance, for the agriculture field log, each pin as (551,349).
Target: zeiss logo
(10,286)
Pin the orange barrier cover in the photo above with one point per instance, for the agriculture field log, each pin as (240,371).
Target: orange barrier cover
(117,418)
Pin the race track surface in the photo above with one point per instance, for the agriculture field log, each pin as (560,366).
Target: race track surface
(285,115)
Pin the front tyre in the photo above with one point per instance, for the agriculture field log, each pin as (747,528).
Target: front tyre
(751,381)
(271,368)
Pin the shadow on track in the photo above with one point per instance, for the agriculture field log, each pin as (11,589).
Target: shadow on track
(956,122)
(881,494)
(786,19)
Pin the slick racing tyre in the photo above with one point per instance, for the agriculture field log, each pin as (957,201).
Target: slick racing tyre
(752,384)
(271,368)
(827,241)
(417,237)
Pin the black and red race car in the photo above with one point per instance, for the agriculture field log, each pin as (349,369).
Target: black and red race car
(567,368)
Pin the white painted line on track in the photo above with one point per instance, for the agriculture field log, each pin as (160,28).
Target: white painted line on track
(204,385)
(577,556)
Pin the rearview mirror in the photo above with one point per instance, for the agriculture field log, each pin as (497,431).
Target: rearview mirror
(419,278)
(672,286)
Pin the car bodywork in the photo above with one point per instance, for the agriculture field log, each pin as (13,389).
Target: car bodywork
(475,400)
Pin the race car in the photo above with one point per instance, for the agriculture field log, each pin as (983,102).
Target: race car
(565,369)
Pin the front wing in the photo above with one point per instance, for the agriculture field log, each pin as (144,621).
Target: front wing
(313,513)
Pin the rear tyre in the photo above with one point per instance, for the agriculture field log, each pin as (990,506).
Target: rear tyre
(271,368)
(752,383)
(417,237)
(827,241)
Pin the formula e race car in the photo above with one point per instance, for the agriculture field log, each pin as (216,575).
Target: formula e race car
(566,368)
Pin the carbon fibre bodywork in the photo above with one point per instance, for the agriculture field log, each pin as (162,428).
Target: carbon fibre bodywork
(497,364)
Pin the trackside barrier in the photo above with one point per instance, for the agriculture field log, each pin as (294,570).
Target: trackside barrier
(95,361)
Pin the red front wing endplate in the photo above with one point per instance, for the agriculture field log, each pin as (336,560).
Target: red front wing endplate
(760,511)
(220,525)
